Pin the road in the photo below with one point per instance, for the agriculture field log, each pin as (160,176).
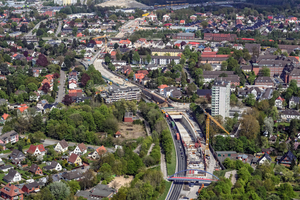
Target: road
(181,165)
(61,90)
(129,27)
(58,30)
(104,72)
(36,27)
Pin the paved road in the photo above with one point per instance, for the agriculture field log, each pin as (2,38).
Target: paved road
(58,28)
(36,27)
(176,187)
(61,90)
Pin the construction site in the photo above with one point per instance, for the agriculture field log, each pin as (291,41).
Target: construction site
(190,135)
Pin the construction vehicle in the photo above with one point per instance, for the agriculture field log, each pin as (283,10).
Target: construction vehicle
(207,122)
(105,39)
(202,186)
(177,136)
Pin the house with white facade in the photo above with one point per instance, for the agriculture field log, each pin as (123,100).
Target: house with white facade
(53,165)
(80,149)
(61,146)
(12,176)
(36,150)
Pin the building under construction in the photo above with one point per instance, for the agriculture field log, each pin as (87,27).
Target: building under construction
(194,146)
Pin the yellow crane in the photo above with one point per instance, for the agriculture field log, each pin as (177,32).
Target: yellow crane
(105,39)
(207,122)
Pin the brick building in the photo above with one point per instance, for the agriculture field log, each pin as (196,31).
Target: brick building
(264,81)
(218,37)
(184,36)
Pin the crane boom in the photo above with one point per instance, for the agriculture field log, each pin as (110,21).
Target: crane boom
(207,122)
(105,38)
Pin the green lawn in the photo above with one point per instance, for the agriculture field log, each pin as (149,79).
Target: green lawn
(172,166)
(2,175)
(42,165)
(282,123)
(221,173)
(164,195)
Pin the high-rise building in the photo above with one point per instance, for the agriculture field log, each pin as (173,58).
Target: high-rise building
(220,101)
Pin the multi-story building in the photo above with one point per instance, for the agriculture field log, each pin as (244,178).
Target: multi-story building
(129,93)
(220,101)
(184,36)
(65,2)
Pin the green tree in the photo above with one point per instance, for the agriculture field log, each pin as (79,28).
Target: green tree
(74,31)
(265,71)
(74,186)
(136,57)
(59,190)
(285,191)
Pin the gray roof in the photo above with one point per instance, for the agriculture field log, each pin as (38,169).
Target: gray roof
(31,185)
(63,144)
(33,168)
(16,154)
(6,167)
(102,190)
(51,166)
(290,112)
(11,174)
(295,99)
(267,156)
(8,135)
(203,92)
(73,175)
(185,34)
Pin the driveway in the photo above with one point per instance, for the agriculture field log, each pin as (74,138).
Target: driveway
(61,90)
(58,29)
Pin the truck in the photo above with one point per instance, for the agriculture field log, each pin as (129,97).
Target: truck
(173,125)
(177,136)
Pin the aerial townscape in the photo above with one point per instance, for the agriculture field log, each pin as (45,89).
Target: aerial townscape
(149,100)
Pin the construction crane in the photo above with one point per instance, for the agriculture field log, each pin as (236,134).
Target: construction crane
(105,39)
(207,122)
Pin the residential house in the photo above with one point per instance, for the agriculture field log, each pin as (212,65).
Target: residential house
(31,187)
(204,93)
(268,94)
(36,150)
(118,134)
(265,158)
(138,77)
(36,169)
(176,94)
(16,156)
(125,43)
(294,101)
(4,117)
(22,109)
(9,137)
(161,88)
(12,176)
(254,49)
(279,102)
(53,165)
(75,159)
(166,52)
(152,17)
(287,159)
(61,146)
(99,151)
(80,149)
(98,192)
(73,175)
(6,168)
(289,115)
(11,192)
(264,81)
(128,117)
(168,91)
(166,17)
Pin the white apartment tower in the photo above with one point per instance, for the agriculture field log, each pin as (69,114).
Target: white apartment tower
(220,101)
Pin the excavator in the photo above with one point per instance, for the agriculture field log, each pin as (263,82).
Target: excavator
(207,122)
(105,38)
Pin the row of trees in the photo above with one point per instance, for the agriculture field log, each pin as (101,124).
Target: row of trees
(261,183)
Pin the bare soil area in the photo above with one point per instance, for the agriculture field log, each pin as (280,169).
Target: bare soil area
(131,131)
(123,4)
(120,181)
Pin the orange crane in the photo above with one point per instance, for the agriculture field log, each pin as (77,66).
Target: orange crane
(105,38)
(207,122)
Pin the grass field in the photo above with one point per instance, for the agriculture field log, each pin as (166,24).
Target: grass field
(221,173)
(172,166)
(164,195)
(281,123)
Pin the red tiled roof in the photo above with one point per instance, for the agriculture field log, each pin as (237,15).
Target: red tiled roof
(162,86)
(101,150)
(5,116)
(32,148)
(11,190)
(72,158)
(82,147)
(139,76)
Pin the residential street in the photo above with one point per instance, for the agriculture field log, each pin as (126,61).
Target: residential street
(61,90)
(58,30)
(36,27)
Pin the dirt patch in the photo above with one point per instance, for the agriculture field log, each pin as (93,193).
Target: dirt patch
(131,131)
(120,181)
(123,4)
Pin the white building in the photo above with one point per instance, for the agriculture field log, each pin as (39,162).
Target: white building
(220,101)
(65,2)
(61,146)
